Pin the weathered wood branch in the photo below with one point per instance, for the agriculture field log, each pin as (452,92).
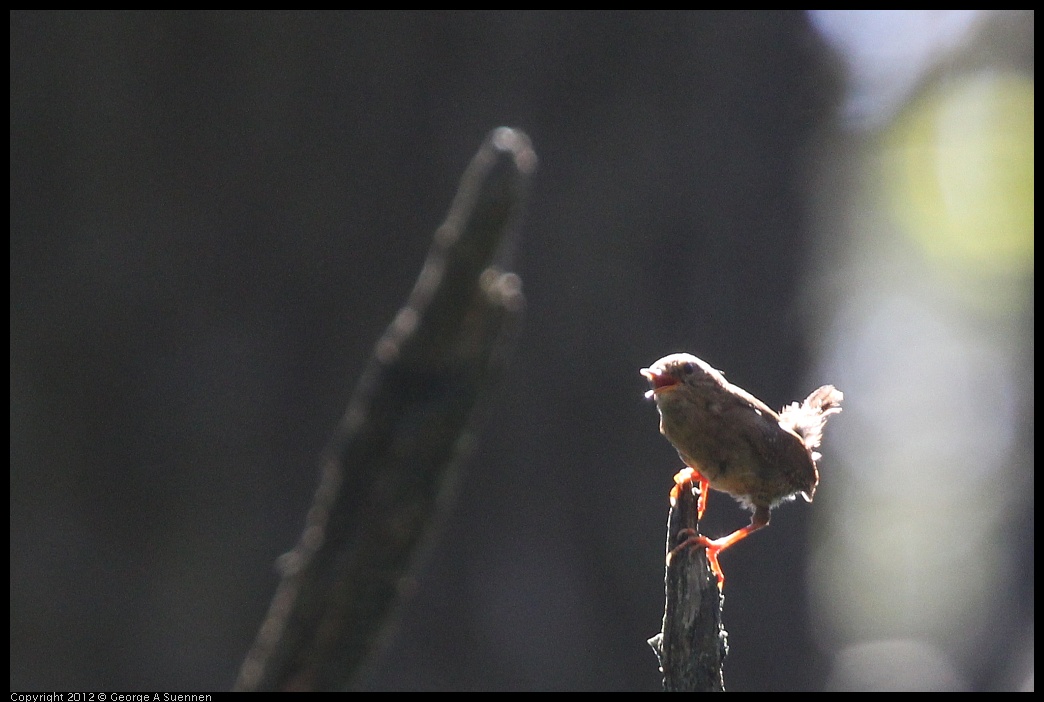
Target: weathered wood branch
(400,438)
(692,644)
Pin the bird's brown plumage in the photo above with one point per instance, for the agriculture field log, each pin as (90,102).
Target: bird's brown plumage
(734,441)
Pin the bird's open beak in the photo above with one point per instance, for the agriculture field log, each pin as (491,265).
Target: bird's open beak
(659,381)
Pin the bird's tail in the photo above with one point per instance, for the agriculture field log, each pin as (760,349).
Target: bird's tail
(808,418)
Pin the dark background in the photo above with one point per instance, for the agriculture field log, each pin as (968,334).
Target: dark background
(214,216)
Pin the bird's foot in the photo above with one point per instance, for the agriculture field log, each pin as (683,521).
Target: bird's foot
(712,547)
(684,480)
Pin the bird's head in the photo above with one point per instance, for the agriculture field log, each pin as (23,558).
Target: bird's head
(671,372)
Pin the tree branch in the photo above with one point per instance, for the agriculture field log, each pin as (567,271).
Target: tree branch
(400,438)
(692,644)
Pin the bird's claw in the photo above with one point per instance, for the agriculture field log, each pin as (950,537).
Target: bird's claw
(687,479)
(712,549)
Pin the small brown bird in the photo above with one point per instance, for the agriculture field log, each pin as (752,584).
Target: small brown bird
(733,442)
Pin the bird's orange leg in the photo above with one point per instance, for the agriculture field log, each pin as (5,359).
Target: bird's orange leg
(759,520)
(682,479)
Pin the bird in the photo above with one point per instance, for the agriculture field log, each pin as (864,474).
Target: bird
(733,442)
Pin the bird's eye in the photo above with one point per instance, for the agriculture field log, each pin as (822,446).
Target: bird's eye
(688,367)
